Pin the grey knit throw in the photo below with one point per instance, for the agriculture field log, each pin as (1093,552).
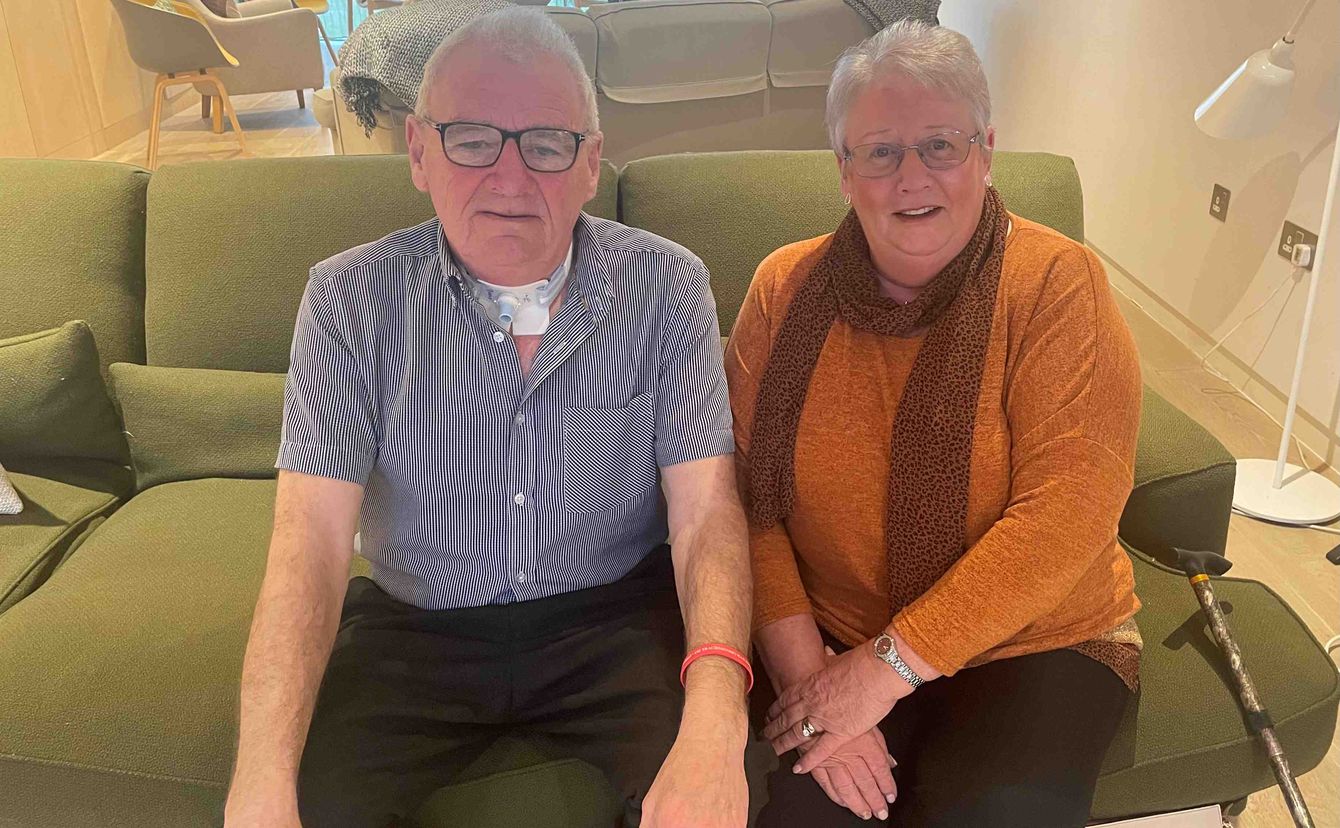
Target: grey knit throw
(883,13)
(387,52)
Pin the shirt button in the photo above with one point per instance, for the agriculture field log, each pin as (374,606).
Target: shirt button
(520,418)
(521,577)
(499,336)
(519,499)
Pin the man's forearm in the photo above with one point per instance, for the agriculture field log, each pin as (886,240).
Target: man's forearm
(294,627)
(716,597)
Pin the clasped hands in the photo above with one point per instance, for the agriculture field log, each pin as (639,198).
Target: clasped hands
(843,705)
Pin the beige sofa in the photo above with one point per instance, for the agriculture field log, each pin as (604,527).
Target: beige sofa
(684,76)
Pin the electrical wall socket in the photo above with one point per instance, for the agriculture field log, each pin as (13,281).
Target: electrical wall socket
(1293,234)
(1219,202)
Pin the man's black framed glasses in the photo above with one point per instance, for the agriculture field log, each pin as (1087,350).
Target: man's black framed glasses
(543,149)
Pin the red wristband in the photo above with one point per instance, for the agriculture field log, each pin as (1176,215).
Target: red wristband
(723,650)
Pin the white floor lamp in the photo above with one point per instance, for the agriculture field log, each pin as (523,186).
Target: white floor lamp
(1250,103)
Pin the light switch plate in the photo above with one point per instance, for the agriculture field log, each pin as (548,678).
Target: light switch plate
(1219,202)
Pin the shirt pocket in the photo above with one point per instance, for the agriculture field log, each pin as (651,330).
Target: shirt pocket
(609,455)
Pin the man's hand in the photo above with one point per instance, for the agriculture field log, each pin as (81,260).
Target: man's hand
(857,776)
(700,785)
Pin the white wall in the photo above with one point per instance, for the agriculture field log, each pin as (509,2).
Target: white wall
(1113,84)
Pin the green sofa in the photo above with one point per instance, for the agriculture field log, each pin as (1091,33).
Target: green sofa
(125,598)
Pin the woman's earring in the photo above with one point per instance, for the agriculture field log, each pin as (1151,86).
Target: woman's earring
(846,199)
(988,179)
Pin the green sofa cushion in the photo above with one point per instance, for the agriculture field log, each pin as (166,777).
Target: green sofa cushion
(73,248)
(1183,741)
(62,499)
(734,208)
(53,401)
(222,290)
(191,423)
(143,630)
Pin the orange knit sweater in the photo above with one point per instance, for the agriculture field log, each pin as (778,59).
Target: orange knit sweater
(1051,468)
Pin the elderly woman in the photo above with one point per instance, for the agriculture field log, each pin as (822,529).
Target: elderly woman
(936,410)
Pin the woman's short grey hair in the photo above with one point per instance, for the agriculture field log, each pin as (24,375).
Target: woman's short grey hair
(932,56)
(518,34)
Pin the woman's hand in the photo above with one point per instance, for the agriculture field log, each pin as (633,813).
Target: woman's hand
(857,776)
(842,701)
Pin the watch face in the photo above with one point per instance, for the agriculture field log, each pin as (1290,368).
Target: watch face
(883,645)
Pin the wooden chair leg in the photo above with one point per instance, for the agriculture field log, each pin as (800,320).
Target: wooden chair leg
(204,105)
(160,88)
(227,103)
(302,100)
(216,126)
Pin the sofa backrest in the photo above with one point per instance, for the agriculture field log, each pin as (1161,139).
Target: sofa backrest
(213,277)
(734,208)
(229,246)
(653,51)
(73,248)
(807,38)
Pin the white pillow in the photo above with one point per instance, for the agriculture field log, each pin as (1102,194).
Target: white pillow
(10,503)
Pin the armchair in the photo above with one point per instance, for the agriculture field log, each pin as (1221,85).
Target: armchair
(277,47)
(180,49)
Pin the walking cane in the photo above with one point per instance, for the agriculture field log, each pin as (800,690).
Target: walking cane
(1198,567)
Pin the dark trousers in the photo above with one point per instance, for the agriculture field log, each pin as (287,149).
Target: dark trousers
(1017,742)
(413,696)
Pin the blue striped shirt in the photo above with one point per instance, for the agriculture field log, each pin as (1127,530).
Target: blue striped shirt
(484,486)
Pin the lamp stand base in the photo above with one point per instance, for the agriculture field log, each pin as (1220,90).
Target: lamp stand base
(1305,498)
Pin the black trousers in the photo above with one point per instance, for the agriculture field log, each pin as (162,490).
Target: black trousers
(1014,743)
(413,696)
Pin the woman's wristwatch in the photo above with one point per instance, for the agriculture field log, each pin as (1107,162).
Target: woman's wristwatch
(887,652)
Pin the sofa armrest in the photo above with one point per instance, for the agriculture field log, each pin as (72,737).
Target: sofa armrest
(1183,493)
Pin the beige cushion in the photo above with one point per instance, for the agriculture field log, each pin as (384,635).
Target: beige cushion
(808,36)
(654,51)
(10,504)
(582,31)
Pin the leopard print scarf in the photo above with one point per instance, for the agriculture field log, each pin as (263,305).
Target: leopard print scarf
(927,511)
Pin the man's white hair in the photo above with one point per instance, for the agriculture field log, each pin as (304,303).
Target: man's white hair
(520,35)
(932,56)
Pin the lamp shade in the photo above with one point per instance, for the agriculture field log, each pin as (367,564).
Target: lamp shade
(1253,99)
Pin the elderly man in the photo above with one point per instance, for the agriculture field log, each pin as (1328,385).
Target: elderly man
(521,403)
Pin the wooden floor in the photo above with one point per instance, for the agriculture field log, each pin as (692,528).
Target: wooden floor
(273,125)
(1290,561)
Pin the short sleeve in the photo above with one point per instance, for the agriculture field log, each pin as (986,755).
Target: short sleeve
(693,419)
(328,412)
